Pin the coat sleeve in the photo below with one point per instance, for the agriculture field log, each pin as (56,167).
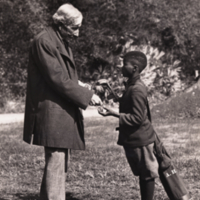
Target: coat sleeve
(56,76)
(137,114)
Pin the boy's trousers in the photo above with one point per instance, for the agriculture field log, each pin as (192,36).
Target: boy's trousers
(142,161)
(53,182)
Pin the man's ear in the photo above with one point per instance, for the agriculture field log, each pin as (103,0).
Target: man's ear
(59,24)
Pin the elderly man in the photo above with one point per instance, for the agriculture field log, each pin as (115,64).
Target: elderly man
(54,97)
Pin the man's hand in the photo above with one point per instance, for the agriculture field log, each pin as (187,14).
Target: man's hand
(95,100)
(86,85)
(105,111)
(99,89)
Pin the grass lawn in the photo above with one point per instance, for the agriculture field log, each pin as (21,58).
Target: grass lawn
(101,172)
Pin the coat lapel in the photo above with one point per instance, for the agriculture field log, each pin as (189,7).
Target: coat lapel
(133,80)
(60,45)
(71,55)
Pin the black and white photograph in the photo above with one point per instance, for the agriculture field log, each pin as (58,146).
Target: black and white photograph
(100,100)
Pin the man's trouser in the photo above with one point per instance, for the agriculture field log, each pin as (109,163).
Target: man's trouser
(53,182)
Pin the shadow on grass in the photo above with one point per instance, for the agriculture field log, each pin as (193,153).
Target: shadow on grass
(21,196)
(33,197)
(70,197)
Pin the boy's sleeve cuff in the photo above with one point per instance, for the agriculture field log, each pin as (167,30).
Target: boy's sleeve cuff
(121,118)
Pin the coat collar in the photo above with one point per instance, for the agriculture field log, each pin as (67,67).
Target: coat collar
(132,81)
(62,46)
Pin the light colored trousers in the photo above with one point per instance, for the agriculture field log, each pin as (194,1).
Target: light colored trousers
(53,182)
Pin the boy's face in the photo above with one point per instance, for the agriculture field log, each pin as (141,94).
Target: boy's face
(127,69)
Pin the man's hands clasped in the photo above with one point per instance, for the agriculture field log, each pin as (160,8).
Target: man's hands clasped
(95,100)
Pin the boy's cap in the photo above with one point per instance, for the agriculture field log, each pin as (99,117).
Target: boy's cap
(136,58)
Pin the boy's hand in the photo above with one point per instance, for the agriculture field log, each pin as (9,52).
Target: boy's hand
(105,111)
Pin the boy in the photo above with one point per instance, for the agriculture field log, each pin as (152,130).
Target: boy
(136,133)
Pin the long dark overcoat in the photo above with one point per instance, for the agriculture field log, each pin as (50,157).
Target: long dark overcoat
(54,98)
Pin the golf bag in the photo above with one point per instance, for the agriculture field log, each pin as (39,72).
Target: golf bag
(170,179)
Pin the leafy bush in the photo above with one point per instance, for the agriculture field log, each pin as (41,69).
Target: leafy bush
(7,106)
(141,24)
(171,26)
(19,22)
(184,105)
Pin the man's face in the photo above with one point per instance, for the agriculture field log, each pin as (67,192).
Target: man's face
(71,30)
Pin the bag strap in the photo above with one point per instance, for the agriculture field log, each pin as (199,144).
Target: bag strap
(148,111)
(157,141)
(150,119)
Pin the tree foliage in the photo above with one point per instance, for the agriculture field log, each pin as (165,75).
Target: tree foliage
(171,26)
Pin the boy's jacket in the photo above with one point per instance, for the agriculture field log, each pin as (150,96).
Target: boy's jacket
(135,129)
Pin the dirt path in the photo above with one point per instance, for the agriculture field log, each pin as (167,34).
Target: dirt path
(19,117)
(11,118)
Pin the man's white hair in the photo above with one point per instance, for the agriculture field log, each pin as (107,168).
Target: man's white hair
(66,14)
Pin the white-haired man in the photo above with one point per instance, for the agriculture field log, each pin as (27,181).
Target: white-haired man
(54,97)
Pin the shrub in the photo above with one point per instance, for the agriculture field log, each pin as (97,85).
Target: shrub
(106,26)
(184,105)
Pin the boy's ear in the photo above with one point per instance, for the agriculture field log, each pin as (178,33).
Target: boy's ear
(135,68)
